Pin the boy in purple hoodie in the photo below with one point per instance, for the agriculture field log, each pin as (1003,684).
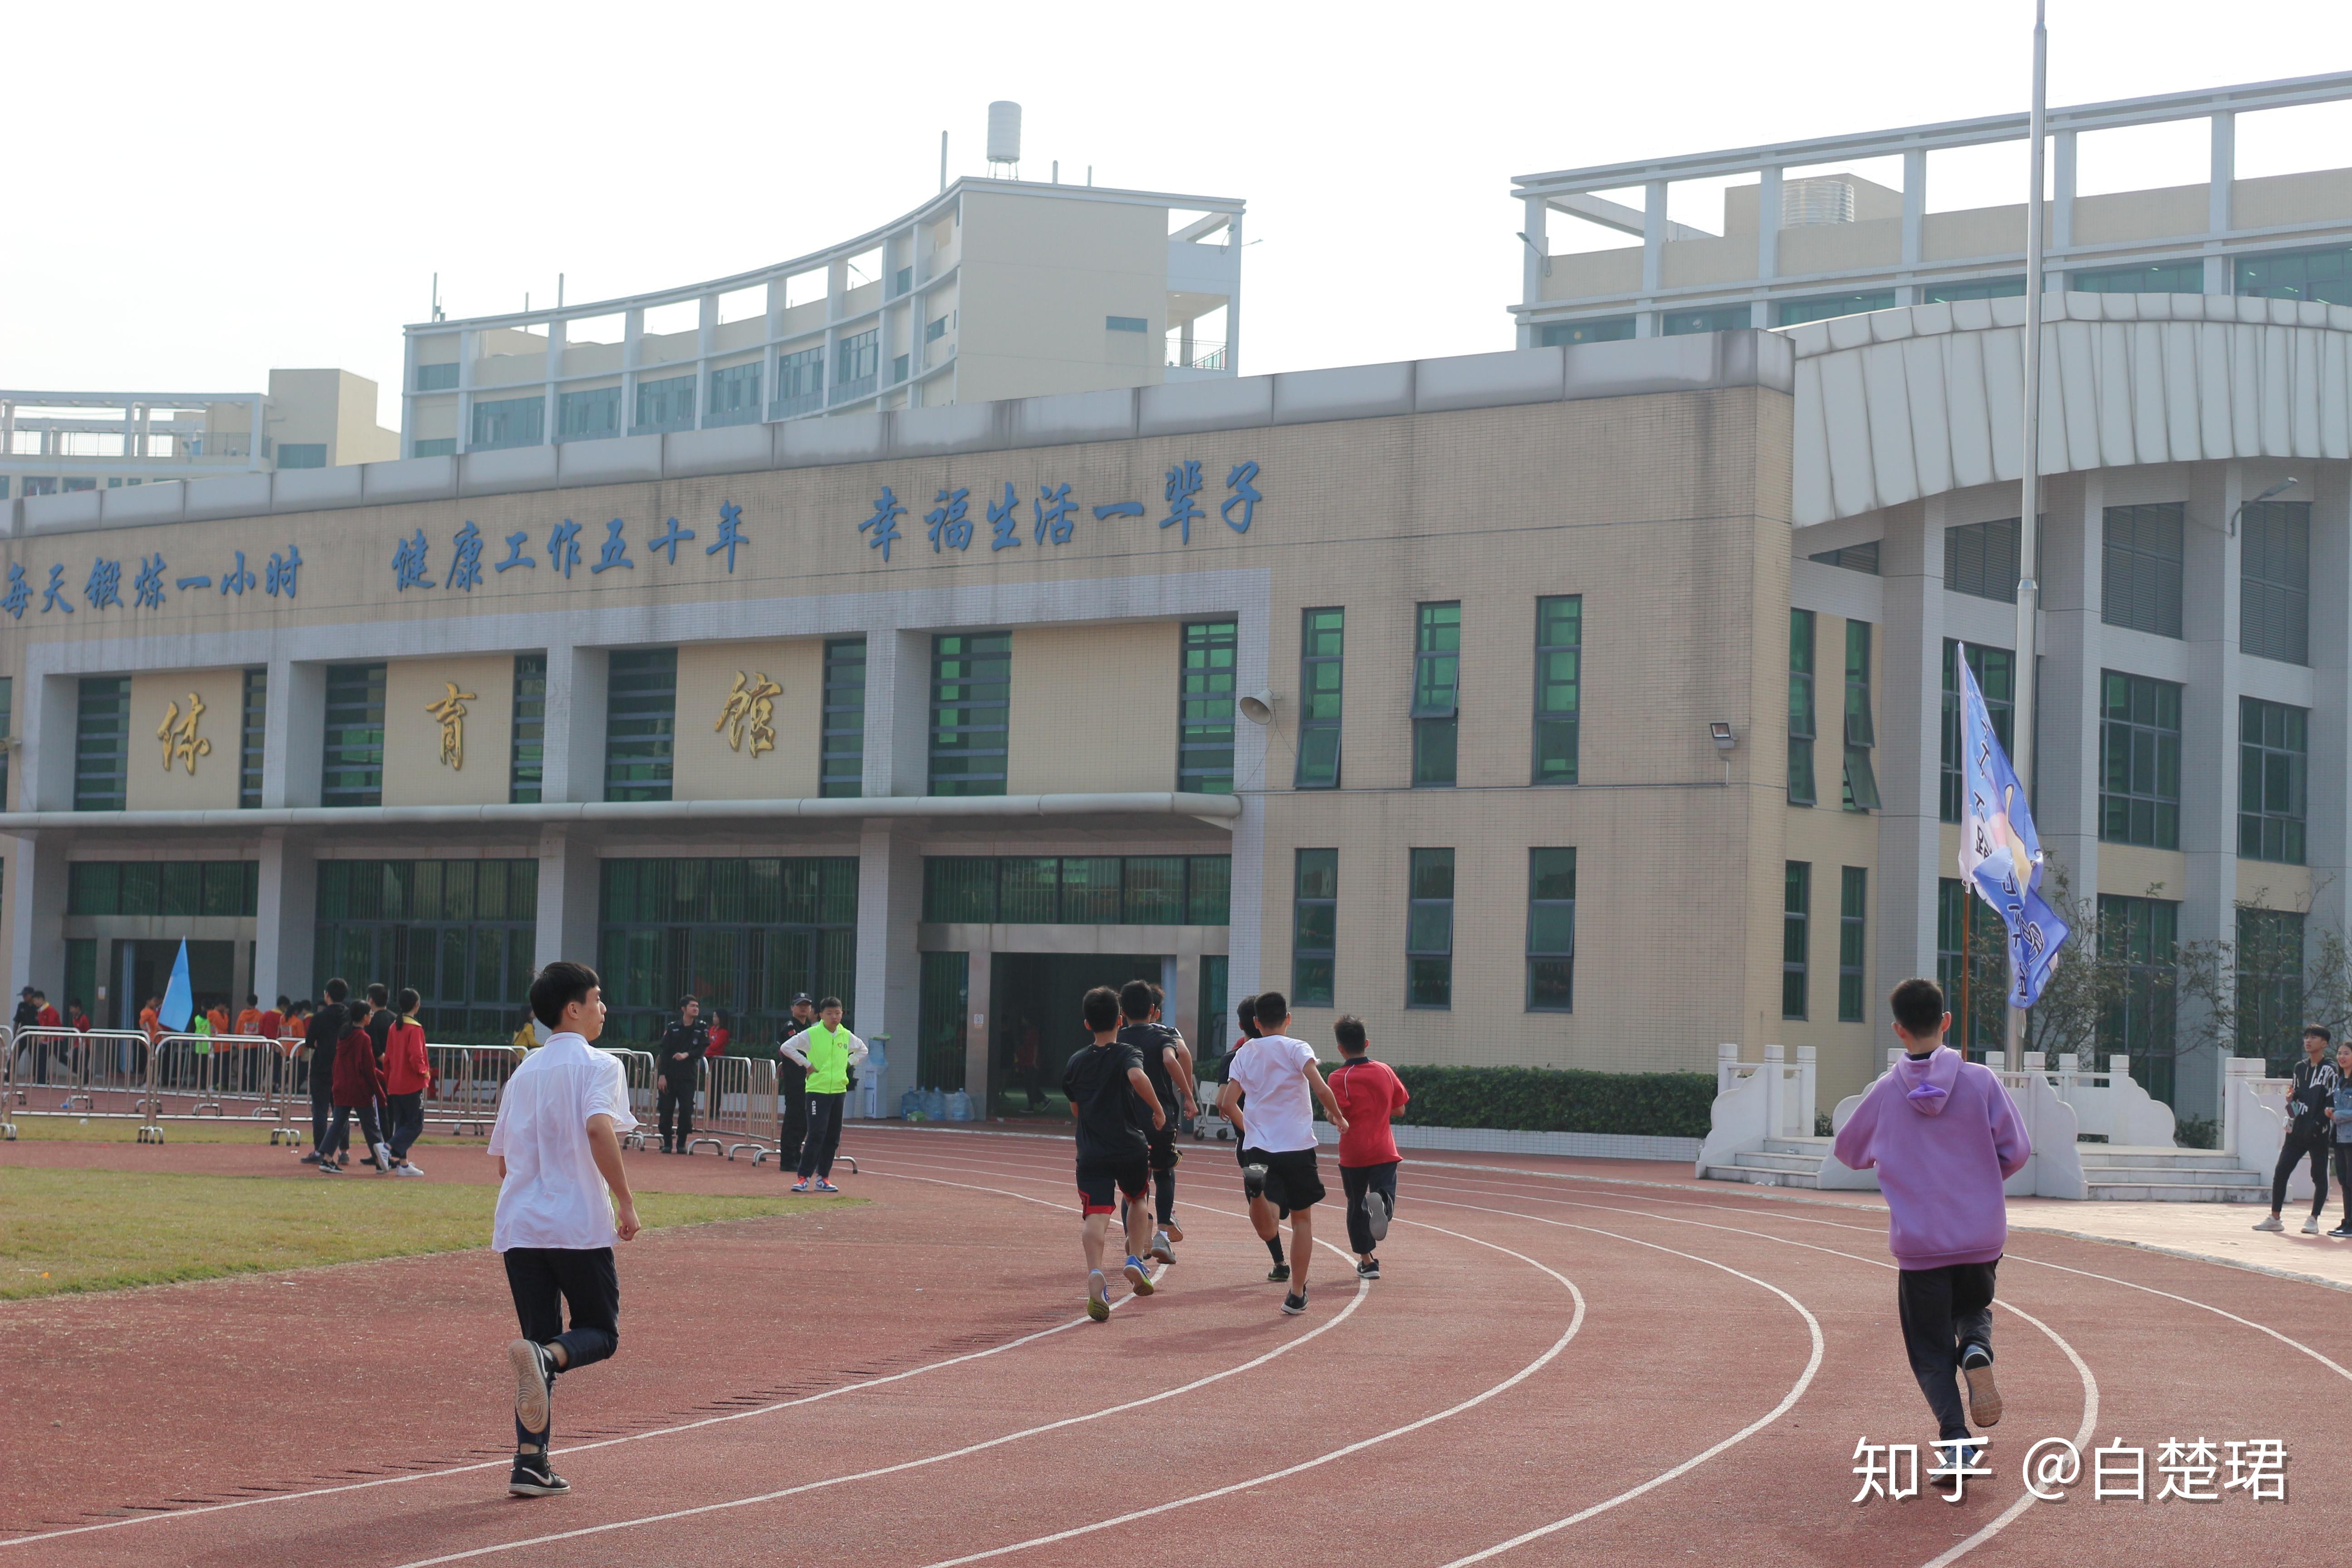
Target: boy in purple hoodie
(1944,1135)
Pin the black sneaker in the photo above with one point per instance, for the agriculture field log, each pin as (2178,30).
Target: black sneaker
(312,1158)
(533,1476)
(1294,1303)
(1278,1275)
(1368,1269)
(2342,1230)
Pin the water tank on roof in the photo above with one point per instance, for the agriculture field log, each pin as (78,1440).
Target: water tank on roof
(1004,132)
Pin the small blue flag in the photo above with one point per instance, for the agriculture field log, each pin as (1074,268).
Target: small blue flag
(2001,857)
(178,1002)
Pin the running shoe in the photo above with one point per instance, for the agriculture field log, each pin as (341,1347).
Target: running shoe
(1375,1215)
(2269,1223)
(329,1168)
(1368,1269)
(533,1476)
(825,1186)
(534,1376)
(2311,1225)
(413,1167)
(383,1160)
(1173,1231)
(1254,1182)
(1161,1247)
(1294,1303)
(406,1171)
(312,1158)
(2342,1230)
(1966,1456)
(1278,1275)
(1984,1398)
(801,1185)
(1140,1277)
(1097,1298)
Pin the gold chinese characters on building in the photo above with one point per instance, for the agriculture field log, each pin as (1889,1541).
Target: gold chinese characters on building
(751,705)
(451,711)
(178,734)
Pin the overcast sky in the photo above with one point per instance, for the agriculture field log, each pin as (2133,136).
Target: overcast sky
(200,192)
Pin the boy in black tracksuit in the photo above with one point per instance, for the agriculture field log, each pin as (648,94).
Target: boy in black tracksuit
(325,1028)
(1163,1063)
(2309,1134)
(792,1089)
(678,1067)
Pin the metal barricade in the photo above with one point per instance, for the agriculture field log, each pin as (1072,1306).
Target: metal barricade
(9,1096)
(637,1072)
(216,1075)
(67,1072)
(739,1106)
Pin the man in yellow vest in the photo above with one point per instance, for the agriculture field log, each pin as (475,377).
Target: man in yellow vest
(827,1052)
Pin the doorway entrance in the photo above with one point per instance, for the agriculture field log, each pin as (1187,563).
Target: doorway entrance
(143,969)
(1034,1024)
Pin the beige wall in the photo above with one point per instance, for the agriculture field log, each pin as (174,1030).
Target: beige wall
(1075,691)
(705,767)
(414,771)
(213,785)
(1037,320)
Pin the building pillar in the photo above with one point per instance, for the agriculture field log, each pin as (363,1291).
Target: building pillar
(888,993)
(293,734)
(568,897)
(2218,193)
(898,713)
(2209,757)
(1914,220)
(1909,756)
(2065,782)
(572,766)
(47,716)
(286,916)
(1536,211)
(979,1025)
(2328,835)
(36,914)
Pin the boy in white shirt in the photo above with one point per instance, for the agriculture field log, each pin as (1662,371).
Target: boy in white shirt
(557,1142)
(1277,1074)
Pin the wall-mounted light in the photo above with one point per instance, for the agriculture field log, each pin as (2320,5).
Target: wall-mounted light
(2278,488)
(1720,733)
(1258,706)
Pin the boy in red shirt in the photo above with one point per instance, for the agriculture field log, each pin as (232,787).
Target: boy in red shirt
(1369,1093)
(358,1085)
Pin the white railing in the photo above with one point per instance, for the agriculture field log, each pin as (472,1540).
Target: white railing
(2113,1105)
(2254,1121)
(1755,1101)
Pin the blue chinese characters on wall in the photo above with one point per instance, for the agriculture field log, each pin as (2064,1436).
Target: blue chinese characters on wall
(1054,513)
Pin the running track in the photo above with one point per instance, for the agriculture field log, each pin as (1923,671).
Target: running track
(1554,1371)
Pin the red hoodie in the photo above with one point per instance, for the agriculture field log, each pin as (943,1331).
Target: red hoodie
(1369,1093)
(358,1080)
(406,1070)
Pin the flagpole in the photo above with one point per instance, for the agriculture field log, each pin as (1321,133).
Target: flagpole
(2029,519)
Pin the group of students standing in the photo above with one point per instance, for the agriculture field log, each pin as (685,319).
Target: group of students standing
(367,1060)
(1123,1091)
(814,1063)
(2319,1129)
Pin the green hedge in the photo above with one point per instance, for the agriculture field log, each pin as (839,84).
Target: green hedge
(1547,1099)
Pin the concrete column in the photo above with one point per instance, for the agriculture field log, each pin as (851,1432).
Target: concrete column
(555,344)
(2066,732)
(1767,225)
(2061,191)
(1915,218)
(36,911)
(1653,236)
(979,1025)
(898,713)
(1182,983)
(1537,213)
(48,714)
(633,344)
(568,896)
(890,975)
(2209,752)
(467,343)
(1910,745)
(2218,193)
(2329,834)
(293,733)
(285,924)
(572,755)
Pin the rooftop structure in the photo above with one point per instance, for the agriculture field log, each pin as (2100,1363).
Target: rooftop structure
(1070,289)
(1809,240)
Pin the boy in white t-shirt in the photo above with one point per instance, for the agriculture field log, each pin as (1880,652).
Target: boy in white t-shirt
(1277,1074)
(557,1144)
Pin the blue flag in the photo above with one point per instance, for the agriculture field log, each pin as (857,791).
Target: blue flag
(178,1002)
(2001,857)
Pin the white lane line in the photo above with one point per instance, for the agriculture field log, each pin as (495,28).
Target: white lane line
(607,1442)
(2083,1435)
(1576,1321)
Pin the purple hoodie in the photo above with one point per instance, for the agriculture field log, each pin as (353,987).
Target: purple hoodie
(1944,1135)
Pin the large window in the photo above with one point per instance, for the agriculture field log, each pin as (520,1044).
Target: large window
(665,405)
(1322,657)
(1853,919)
(1981,288)
(1429,930)
(971,708)
(740,935)
(1204,723)
(163,888)
(1608,330)
(1796,907)
(2273,748)
(436,377)
(1863,557)
(1981,558)
(734,395)
(1551,931)
(2143,566)
(640,724)
(2141,937)
(591,414)
(508,422)
(1559,670)
(301,453)
(1995,669)
(1436,693)
(2140,761)
(103,742)
(1800,708)
(1077,889)
(856,362)
(351,763)
(799,382)
(2270,987)
(463,932)
(253,735)
(2274,581)
(1861,736)
(1720,319)
(2322,275)
(1314,927)
(1821,307)
(526,760)
(842,759)
(2154,277)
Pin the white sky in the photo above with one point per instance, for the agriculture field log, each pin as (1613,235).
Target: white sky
(197,194)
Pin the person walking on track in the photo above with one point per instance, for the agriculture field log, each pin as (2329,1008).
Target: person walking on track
(1164,1063)
(1943,1135)
(564,1197)
(2309,1135)
(407,1074)
(677,1067)
(1276,1073)
(1370,1093)
(825,1052)
(1118,1112)
(358,1087)
(320,1035)
(792,1088)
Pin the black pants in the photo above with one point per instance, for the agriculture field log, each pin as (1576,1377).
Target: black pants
(791,1129)
(679,1101)
(2297,1148)
(322,1104)
(407,1111)
(1163,1156)
(1358,1180)
(339,1135)
(543,1280)
(824,1141)
(1945,1311)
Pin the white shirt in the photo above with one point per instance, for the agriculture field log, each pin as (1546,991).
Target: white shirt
(1280,1115)
(553,1195)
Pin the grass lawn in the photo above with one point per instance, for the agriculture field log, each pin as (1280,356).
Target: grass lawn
(108,1230)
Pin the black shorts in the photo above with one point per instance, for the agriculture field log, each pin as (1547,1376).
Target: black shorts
(1096,1178)
(1292,1180)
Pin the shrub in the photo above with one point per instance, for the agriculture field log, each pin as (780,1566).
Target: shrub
(1553,1100)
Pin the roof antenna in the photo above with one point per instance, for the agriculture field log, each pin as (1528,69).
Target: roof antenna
(943,159)
(436,297)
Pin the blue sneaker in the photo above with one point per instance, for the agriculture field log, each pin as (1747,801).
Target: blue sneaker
(1139,1276)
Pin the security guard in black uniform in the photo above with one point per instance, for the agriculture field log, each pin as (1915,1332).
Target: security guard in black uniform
(677,1067)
